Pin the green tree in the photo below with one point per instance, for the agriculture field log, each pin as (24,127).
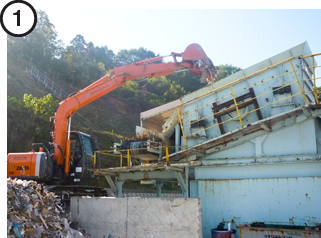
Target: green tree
(79,44)
(39,47)
(190,82)
(28,121)
(226,70)
(126,57)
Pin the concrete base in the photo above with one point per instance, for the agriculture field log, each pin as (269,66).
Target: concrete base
(138,217)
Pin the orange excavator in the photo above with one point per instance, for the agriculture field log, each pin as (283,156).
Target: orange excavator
(70,157)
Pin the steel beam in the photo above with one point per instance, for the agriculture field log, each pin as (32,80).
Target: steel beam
(111,183)
(265,126)
(147,175)
(181,181)
(170,168)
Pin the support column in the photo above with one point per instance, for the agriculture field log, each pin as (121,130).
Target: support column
(159,185)
(120,188)
(186,194)
(177,137)
(181,182)
(111,183)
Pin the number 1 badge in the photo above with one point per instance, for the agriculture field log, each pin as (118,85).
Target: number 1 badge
(18,18)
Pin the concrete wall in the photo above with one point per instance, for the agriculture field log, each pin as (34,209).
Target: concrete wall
(138,217)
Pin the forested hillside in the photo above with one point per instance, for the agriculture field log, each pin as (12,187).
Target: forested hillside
(73,67)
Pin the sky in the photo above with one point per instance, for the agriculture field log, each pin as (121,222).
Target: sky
(241,37)
(238,37)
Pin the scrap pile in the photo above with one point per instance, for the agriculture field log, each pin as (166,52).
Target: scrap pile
(32,211)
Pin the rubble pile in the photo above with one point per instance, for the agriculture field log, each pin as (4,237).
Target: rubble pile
(33,212)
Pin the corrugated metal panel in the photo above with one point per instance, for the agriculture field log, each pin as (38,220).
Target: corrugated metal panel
(292,201)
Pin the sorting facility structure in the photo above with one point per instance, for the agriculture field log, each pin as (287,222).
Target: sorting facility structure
(249,145)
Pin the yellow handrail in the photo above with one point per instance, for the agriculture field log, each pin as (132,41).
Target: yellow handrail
(242,102)
(237,92)
(298,81)
(180,122)
(307,56)
(237,108)
(236,81)
(236,105)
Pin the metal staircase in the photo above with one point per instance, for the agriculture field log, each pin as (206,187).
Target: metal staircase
(48,83)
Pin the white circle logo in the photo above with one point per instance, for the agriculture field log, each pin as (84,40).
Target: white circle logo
(18,18)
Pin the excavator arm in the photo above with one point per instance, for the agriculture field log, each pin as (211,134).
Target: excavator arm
(194,59)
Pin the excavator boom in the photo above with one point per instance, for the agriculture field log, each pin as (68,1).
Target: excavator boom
(193,59)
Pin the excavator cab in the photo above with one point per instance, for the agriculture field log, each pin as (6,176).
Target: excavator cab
(82,156)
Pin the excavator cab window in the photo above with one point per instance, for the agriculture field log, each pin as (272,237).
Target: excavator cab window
(75,148)
(89,148)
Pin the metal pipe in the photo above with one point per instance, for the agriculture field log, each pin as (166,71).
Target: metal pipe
(177,137)
(95,160)
(182,127)
(315,87)
(297,79)
(181,70)
(310,79)
(307,56)
(167,157)
(237,108)
(69,123)
(67,157)
(127,157)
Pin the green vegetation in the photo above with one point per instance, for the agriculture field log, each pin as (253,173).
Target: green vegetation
(28,121)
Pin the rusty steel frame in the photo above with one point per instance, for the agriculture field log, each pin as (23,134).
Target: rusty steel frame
(236,106)
(182,127)
(250,111)
(229,109)
(240,103)
(298,81)
(237,92)
(236,81)
(315,87)
(313,68)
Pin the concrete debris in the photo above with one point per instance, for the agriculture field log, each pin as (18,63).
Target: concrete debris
(33,212)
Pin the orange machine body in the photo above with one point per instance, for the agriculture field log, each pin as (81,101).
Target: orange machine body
(194,59)
(25,165)
(61,164)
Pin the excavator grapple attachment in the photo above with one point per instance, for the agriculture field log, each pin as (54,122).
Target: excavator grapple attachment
(203,65)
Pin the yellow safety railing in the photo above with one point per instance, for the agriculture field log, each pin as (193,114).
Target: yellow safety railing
(313,73)
(237,105)
(109,153)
